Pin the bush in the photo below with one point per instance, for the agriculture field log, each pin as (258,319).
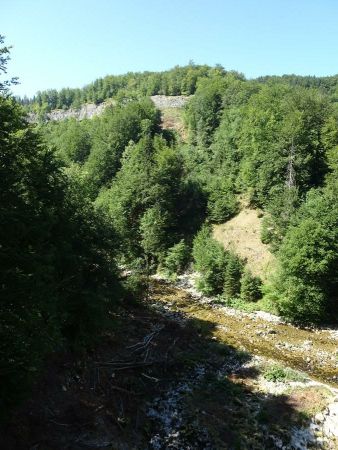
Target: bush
(250,287)
(210,261)
(135,287)
(232,276)
(222,202)
(177,258)
(277,373)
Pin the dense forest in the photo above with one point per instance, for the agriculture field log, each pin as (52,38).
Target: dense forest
(81,201)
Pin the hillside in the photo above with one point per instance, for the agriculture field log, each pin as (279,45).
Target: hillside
(242,235)
(170,107)
(97,350)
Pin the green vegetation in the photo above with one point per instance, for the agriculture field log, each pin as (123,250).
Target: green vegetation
(250,287)
(177,258)
(58,274)
(270,141)
(278,373)
(80,198)
(220,270)
(177,81)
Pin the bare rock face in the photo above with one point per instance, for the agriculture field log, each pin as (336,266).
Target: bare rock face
(172,101)
(89,110)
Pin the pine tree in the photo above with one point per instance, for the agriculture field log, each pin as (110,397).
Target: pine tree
(250,287)
(233,274)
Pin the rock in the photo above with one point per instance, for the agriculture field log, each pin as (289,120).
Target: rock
(172,101)
(319,417)
(89,110)
(330,427)
(86,111)
(333,409)
(307,345)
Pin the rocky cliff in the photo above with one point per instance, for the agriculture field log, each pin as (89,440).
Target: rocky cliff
(89,110)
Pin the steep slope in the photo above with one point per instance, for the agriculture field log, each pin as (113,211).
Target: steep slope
(170,107)
(242,235)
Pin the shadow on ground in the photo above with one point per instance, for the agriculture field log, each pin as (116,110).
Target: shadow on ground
(156,382)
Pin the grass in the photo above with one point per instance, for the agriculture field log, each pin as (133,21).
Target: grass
(172,119)
(242,235)
(264,304)
(277,373)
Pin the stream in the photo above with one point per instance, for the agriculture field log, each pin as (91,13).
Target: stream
(312,353)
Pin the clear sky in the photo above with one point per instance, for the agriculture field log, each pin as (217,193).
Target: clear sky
(69,43)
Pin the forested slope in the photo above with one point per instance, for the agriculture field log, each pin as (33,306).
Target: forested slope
(271,142)
(81,198)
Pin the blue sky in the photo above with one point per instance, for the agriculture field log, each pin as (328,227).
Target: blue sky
(72,42)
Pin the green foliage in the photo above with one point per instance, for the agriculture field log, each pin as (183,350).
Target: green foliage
(177,81)
(222,202)
(210,261)
(177,258)
(232,276)
(112,132)
(306,287)
(280,210)
(58,277)
(4,58)
(135,287)
(205,109)
(149,204)
(250,287)
(71,139)
(153,226)
(278,373)
(220,271)
(274,120)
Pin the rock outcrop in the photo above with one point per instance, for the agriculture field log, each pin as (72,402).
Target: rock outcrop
(89,110)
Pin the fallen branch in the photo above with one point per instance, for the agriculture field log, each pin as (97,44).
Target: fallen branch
(150,378)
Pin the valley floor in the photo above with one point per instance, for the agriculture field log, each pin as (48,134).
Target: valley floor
(181,372)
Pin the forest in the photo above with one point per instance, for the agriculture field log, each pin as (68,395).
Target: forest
(82,202)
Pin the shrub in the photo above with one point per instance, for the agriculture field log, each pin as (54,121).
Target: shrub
(277,373)
(250,287)
(210,261)
(232,276)
(177,258)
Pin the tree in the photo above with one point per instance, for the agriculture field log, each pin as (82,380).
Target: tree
(232,276)
(250,287)
(177,258)
(58,277)
(275,120)
(72,139)
(222,203)
(153,228)
(4,58)
(210,260)
(306,286)
(112,133)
